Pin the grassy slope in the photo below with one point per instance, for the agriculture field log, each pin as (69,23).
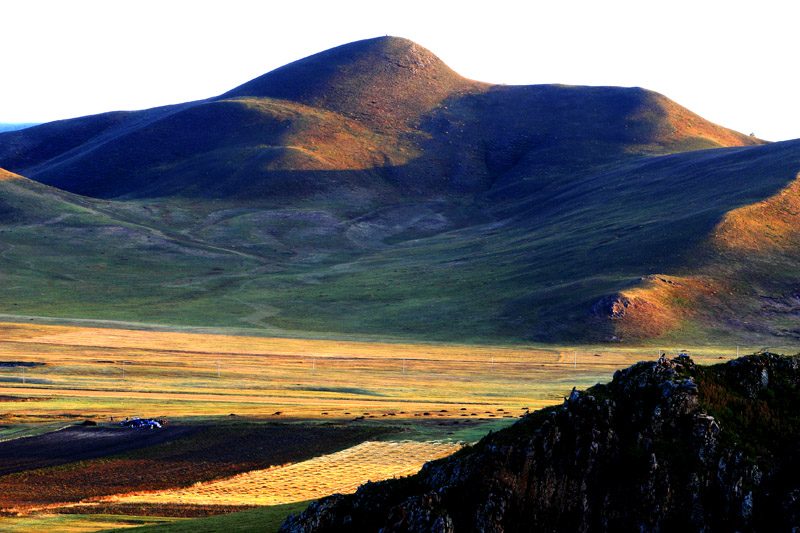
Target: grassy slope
(76,523)
(265,519)
(540,273)
(67,255)
(533,267)
(176,154)
(744,278)
(261,520)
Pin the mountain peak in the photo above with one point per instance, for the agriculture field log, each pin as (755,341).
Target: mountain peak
(385,80)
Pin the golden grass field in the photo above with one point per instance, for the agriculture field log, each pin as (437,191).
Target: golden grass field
(46,523)
(100,373)
(341,472)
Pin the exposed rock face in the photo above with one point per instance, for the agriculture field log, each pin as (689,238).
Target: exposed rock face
(613,306)
(665,446)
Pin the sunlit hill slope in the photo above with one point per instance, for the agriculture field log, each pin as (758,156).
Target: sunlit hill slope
(371,190)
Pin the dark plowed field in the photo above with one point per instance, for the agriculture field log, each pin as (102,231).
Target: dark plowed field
(88,462)
(78,443)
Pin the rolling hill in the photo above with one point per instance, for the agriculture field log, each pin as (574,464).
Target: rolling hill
(371,190)
(75,257)
(382,119)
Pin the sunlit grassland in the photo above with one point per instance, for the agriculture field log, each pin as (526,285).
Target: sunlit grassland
(261,520)
(68,523)
(341,472)
(99,373)
(29,430)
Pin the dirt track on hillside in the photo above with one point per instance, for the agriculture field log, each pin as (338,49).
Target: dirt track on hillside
(78,443)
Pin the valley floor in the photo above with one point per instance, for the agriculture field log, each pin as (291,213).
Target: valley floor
(252,420)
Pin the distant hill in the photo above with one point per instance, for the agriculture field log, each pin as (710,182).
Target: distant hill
(382,119)
(371,190)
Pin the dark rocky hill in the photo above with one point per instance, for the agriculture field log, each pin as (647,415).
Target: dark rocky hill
(666,446)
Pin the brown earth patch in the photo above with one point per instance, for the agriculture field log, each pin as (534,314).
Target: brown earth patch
(6,398)
(203,454)
(80,443)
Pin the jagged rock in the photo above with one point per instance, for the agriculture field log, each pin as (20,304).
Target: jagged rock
(419,513)
(614,306)
(665,446)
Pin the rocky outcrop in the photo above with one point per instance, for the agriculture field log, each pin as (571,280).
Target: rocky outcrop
(665,446)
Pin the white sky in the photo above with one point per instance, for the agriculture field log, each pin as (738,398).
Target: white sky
(732,62)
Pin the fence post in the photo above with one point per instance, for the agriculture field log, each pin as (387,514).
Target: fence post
(404,366)
(576,359)
(23,375)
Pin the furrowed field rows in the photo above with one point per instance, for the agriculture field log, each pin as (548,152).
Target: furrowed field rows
(340,472)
